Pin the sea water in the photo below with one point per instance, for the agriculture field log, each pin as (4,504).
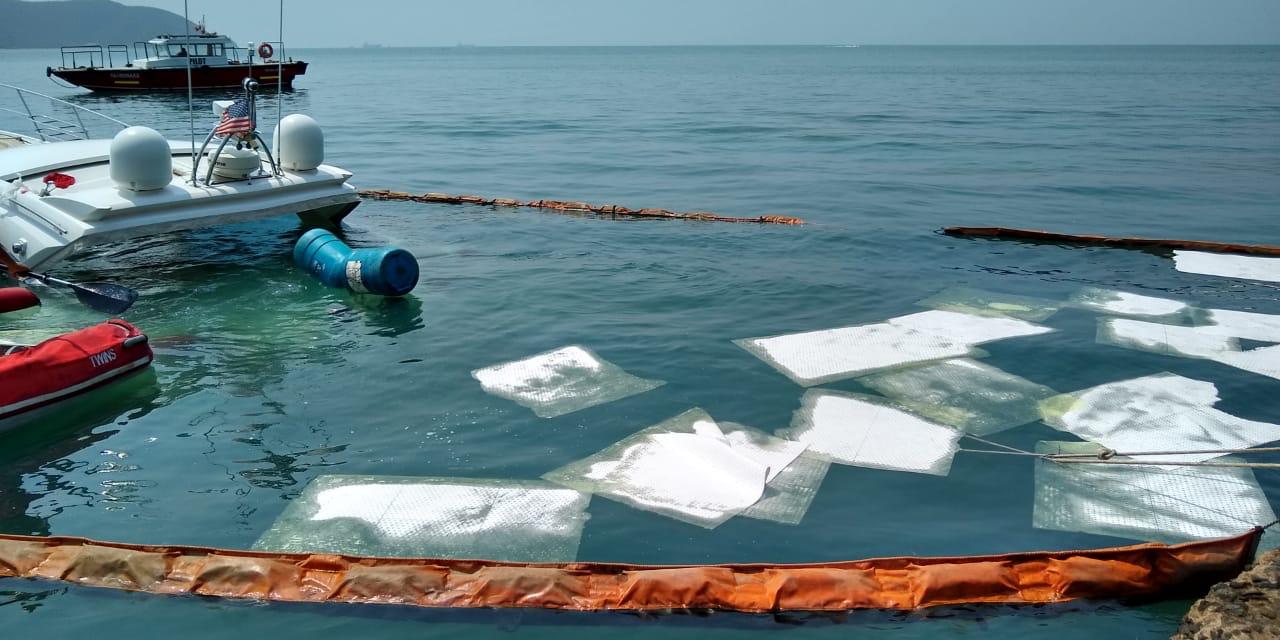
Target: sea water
(264,379)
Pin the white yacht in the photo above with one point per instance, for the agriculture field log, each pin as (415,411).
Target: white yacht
(62,191)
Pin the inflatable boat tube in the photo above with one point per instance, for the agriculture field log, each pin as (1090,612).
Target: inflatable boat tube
(16,299)
(69,365)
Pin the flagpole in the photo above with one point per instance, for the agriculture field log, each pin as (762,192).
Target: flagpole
(191,111)
(279,83)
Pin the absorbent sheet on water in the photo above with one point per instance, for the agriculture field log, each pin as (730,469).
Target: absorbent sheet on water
(561,381)
(968,328)
(1164,339)
(789,493)
(1262,361)
(816,357)
(865,431)
(524,521)
(1163,412)
(1228,266)
(1124,303)
(687,468)
(1263,327)
(988,303)
(968,395)
(1146,502)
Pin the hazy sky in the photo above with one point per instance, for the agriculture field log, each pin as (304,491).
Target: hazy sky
(311,23)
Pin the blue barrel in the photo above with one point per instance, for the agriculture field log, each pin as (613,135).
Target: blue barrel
(386,271)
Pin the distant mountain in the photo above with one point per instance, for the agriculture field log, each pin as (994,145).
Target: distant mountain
(36,25)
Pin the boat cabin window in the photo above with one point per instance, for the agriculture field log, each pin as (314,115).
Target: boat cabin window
(195,50)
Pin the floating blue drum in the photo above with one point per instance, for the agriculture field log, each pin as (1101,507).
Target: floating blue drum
(386,271)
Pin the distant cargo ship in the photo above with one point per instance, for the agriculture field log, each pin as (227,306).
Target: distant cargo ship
(161,64)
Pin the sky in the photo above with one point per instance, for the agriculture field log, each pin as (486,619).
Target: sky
(340,23)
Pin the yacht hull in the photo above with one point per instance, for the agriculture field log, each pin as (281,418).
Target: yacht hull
(167,79)
(41,229)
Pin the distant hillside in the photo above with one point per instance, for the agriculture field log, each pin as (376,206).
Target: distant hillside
(35,25)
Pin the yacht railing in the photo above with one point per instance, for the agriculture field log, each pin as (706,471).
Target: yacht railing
(51,127)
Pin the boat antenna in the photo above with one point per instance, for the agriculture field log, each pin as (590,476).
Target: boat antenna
(191,110)
(280,76)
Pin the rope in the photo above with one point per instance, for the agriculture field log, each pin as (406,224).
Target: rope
(1095,458)
(1149,463)
(1167,453)
(1002,446)
(1108,456)
(1004,453)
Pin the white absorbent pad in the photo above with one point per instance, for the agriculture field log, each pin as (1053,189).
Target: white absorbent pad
(816,357)
(968,395)
(1124,303)
(1262,361)
(687,468)
(968,328)
(1228,266)
(1263,327)
(1162,412)
(989,303)
(865,431)
(561,381)
(789,493)
(1146,502)
(1165,339)
(514,520)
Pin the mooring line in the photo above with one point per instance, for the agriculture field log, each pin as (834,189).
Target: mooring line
(572,206)
(1109,456)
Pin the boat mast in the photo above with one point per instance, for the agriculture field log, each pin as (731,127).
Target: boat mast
(191,111)
(280,74)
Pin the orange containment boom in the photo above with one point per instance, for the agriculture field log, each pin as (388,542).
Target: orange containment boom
(1006,233)
(1141,571)
(569,206)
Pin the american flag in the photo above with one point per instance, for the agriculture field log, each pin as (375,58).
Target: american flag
(236,119)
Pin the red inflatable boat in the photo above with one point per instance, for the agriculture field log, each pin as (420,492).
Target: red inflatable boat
(17,299)
(69,365)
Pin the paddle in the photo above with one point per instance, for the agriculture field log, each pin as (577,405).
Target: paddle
(100,296)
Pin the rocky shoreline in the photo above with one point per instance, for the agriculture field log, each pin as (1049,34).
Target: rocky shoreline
(1246,607)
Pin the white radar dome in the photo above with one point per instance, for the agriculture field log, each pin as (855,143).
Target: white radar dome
(141,160)
(299,143)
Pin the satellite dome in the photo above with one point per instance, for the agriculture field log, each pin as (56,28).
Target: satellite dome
(299,143)
(141,160)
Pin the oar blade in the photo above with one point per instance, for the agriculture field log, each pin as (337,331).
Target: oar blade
(105,297)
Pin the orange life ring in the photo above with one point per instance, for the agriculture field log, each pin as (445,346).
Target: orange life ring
(265,50)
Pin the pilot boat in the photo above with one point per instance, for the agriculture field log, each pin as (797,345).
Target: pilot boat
(161,64)
(62,191)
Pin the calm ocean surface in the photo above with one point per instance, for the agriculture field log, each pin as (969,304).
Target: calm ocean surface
(265,379)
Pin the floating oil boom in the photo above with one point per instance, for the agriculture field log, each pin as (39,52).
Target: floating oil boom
(906,583)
